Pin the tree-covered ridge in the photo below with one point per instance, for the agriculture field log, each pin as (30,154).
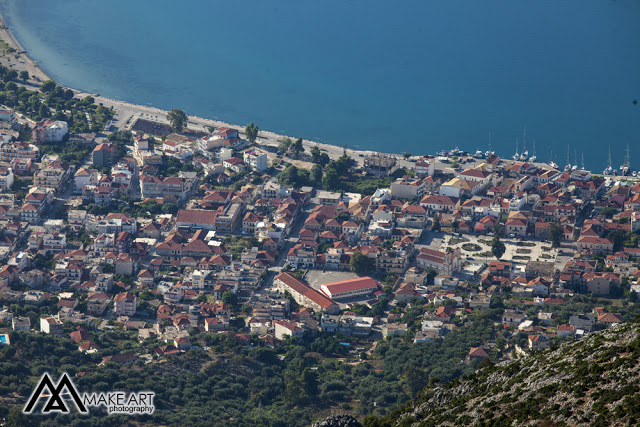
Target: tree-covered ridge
(593,381)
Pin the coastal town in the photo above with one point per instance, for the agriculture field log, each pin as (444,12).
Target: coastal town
(177,233)
(136,243)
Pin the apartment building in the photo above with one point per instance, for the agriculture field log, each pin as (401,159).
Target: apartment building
(49,131)
(125,304)
(19,150)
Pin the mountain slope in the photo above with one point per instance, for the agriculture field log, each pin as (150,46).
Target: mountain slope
(592,381)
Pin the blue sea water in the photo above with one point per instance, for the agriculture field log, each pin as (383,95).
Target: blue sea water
(411,75)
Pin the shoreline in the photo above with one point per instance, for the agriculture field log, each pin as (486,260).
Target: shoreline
(28,63)
(127,112)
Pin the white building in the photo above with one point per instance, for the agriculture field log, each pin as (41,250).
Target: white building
(425,167)
(49,131)
(6,178)
(84,177)
(125,304)
(7,114)
(50,325)
(256,159)
(210,142)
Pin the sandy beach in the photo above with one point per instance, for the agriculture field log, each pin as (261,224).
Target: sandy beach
(19,60)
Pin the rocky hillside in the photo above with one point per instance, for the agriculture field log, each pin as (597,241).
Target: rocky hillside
(592,381)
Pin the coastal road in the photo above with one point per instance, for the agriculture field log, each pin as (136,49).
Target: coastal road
(127,113)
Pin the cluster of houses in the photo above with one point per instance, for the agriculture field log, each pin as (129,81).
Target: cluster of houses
(180,269)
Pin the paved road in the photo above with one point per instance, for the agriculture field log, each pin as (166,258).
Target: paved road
(290,241)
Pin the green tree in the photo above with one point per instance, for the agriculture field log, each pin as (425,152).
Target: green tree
(170,208)
(284,144)
(497,247)
(10,75)
(47,86)
(331,179)
(555,234)
(310,382)
(177,119)
(316,175)
(297,147)
(293,177)
(435,224)
(16,418)
(608,212)
(230,298)
(24,75)
(251,132)
(315,154)
(406,155)
(343,164)
(361,264)
(324,159)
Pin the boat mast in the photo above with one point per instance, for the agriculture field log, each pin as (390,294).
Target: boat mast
(627,160)
(582,161)
(568,164)
(610,167)
(525,140)
(489,142)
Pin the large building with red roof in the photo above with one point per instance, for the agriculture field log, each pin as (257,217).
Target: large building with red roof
(350,288)
(305,295)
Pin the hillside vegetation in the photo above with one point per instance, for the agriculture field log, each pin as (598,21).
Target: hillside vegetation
(593,381)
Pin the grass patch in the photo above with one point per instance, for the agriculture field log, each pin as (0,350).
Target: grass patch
(529,244)
(365,185)
(471,247)
(456,240)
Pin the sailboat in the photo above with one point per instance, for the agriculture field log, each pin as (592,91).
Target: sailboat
(551,162)
(525,154)
(582,167)
(575,157)
(533,158)
(609,169)
(517,155)
(624,169)
(489,152)
(567,168)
